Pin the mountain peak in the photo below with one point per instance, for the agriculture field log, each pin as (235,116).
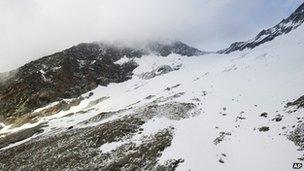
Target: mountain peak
(176,47)
(285,26)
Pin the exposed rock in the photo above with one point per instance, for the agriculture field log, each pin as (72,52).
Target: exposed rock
(264,114)
(297,136)
(299,103)
(278,118)
(170,88)
(175,47)
(34,117)
(102,116)
(75,149)
(170,110)
(70,149)
(264,129)
(164,69)
(221,137)
(145,155)
(240,118)
(149,97)
(164,99)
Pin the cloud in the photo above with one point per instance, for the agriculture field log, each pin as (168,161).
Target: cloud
(34,28)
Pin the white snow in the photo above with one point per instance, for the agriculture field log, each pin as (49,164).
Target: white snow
(43,76)
(108,147)
(123,60)
(56,68)
(246,83)
(267,76)
(81,62)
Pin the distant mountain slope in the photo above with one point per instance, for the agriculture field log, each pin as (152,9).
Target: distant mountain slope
(173,48)
(73,72)
(285,26)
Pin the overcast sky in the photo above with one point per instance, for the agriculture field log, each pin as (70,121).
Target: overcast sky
(33,28)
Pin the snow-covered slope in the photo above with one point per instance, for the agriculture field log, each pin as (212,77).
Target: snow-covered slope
(211,112)
(284,27)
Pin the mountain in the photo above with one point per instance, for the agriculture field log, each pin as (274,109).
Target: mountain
(100,106)
(173,48)
(72,72)
(285,26)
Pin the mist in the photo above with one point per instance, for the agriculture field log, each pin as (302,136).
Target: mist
(34,28)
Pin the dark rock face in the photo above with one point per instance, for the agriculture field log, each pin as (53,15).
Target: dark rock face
(278,118)
(285,26)
(264,114)
(175,47)
(297,136)
(65,74)
(264,129)
(299,103)
(35,116)
(72,72)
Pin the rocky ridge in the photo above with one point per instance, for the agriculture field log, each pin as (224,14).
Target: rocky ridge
(285,26)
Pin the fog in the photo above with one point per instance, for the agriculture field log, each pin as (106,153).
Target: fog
(33,28)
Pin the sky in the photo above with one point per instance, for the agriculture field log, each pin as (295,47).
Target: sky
(31,29)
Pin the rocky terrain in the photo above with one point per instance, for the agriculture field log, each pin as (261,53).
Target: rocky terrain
(82,148)
(72,72)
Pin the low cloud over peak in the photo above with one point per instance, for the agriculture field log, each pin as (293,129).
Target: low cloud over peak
(33,28)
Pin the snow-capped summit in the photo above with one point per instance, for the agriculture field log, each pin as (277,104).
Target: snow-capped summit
(285,26)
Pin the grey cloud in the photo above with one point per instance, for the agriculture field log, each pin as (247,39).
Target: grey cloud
(34,28)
